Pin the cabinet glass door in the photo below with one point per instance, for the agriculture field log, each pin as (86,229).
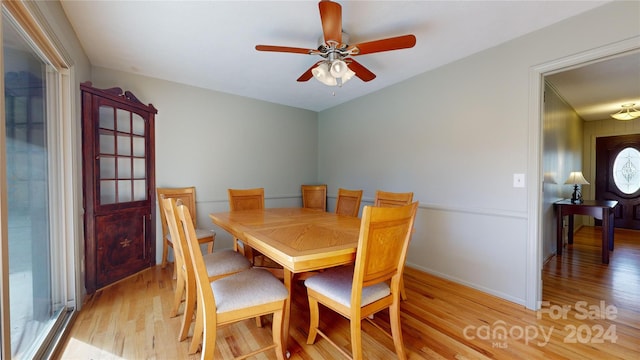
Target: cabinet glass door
(122,156)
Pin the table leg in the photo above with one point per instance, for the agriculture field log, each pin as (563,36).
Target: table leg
(570,230)
(612,232)
(288,280)
(606,235)
(559,239)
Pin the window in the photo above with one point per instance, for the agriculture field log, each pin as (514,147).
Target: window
(626,170)
(36,211)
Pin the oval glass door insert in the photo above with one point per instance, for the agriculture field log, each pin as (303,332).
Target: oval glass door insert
(626,170)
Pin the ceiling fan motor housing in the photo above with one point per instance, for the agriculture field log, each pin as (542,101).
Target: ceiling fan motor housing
(324,46)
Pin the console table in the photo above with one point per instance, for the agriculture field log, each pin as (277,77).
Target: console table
(599,209)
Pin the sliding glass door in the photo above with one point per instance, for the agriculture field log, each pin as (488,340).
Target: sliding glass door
(38,284)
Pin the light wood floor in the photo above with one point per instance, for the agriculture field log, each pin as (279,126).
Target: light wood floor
(441,319)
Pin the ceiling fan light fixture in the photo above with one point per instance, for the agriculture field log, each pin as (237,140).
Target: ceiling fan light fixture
(338,68)
(628,112)
(331,75)
(322,74)
(347,75)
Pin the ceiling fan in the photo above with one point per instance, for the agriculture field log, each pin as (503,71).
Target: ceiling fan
(337,65)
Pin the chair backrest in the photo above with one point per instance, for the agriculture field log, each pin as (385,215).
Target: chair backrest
(169,208)
(382,246)
(246,199)
(392,199)
(314,197)
(188,197)
(348,202)
(206,299)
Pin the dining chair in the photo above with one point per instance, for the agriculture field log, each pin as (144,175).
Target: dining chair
(251,199)
(348,202)
(218,265)
(243,295)
(314,197)
(188,197)
(393,199)
(372,283)
(245,199)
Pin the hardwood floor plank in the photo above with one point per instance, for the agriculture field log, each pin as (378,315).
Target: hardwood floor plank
(441,319)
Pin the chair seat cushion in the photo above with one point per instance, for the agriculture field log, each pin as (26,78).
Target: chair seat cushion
(200,233)
(225,262)
(247,288)
(336,284)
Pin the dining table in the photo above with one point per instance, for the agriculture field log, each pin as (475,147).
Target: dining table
(301,240)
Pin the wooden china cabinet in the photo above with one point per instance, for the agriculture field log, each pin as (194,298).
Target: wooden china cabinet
(118,184)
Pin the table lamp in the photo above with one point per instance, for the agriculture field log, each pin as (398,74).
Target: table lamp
(576,178)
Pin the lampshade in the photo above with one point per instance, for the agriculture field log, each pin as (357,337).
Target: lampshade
(332,73)
(338,68)
(321,73)
(347,76)
(576,178)
(628,112)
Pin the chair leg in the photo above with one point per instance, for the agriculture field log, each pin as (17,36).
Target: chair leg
(403,293)
(165,252)
(396,331)
(356,338)
(209,343)
(177,298)
(198,328)
(236,246)
(276,330)
(210,241)
(248,253)
(313,321)
(189,307)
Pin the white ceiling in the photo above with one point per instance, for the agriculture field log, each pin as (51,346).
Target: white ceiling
(211,44)
(597,90)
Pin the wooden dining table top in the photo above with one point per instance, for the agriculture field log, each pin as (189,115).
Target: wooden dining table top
(299,239)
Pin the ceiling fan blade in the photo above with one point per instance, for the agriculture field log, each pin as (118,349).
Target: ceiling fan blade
(286,49)
(362,72)
(308,74)
(331,16)
(394,43)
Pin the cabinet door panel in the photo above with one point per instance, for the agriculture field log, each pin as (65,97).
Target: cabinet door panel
(121,246)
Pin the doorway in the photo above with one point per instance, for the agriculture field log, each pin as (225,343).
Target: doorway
(540,205)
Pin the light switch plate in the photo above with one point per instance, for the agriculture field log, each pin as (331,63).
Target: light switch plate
(518,180)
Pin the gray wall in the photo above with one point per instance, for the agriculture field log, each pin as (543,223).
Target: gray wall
(455,136)
(561,154)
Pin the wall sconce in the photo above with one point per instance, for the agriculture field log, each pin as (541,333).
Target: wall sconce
(576,178)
